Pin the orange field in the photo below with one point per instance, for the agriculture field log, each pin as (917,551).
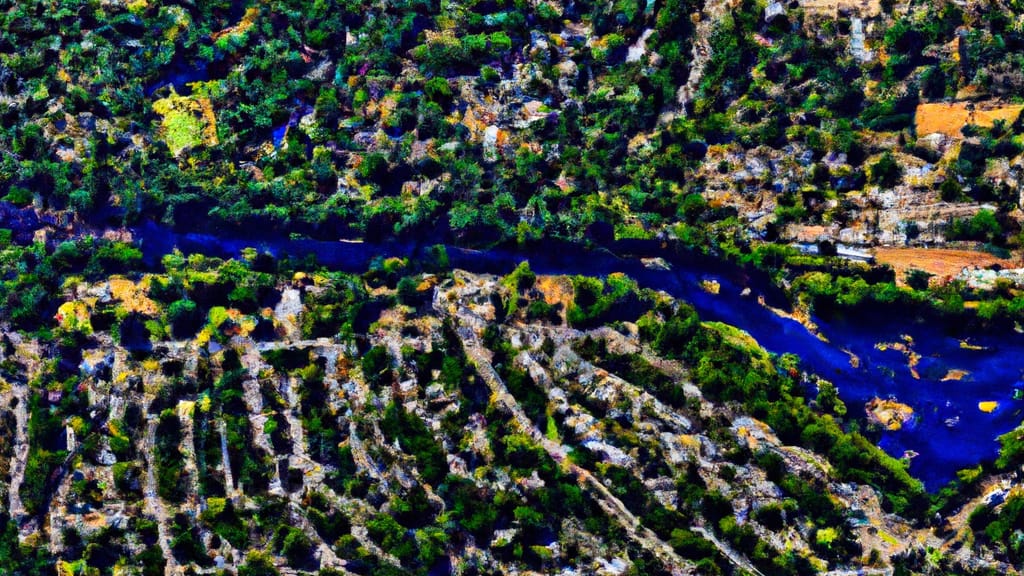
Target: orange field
(944,263)
(949,118)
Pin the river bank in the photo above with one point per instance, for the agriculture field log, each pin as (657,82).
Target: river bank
(948,431)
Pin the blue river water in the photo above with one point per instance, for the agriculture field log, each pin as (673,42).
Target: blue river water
(949,432)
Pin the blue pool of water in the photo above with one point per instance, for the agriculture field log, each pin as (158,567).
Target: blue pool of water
(180,74)
(279,133)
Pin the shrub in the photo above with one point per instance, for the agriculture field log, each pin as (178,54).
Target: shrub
(258,564)
(184,318)
(983,226)
(376,365)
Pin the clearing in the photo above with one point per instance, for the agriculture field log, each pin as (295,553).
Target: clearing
(944,263)
(950,118)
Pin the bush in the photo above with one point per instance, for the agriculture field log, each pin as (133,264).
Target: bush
(983,227)
(950,189)
(297,548)
(408,292)
(19,196)
(258,564)
(918,279)
(595,302)
(184,318)
(376,365)
(414,436)
(438,90)
(392,537)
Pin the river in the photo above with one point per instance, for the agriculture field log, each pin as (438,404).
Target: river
(949,431)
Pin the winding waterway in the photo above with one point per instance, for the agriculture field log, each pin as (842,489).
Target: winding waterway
(949,431)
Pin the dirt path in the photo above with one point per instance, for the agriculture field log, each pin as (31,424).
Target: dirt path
(153,506)
(738,560)
(713,12)
(20,457)
(188,451)
(942,262)
(362,459)
(296,431)
(229,481)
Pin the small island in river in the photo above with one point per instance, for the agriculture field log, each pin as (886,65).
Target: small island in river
(888,413)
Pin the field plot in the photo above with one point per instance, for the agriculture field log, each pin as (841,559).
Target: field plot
(942,262)
(950,118)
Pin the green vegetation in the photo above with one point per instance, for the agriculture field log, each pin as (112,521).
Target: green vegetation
(411,433)
(170,482)
(506,124)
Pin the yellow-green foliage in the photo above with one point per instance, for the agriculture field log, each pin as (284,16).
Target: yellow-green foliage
(214,507)
(742,340)
(181,127)
(74,317)
(826,536)
(520,278)
(76,568)
(969,475)
(395,265)
(218,316)
(187,122)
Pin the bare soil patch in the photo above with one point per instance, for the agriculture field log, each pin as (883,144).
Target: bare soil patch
(944,263)
(950,118)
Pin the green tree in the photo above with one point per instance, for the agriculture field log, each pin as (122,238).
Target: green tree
(184,318)
(918,279)
(258,564)
(886,171)
(376,365)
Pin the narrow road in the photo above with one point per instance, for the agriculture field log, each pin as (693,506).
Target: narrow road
(713,12)
(188,451)
(152,503)
(737,559)
(328,559)
(295,429)
(359,455)
(358,511)
(20,457)
(229,480)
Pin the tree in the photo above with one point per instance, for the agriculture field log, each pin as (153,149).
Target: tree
(297,548)
(438,90)
(258,564)
(918,279)
(184,318)
(828,398)
(983,226)
(376,365)
(950,189)
(408,292)
(886,172)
